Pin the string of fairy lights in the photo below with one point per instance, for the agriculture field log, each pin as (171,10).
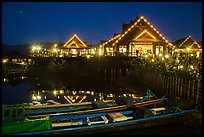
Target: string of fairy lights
(131,28)
(145,31)
(191,44)
(73,42)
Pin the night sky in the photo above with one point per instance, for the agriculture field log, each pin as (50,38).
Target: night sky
(32,22)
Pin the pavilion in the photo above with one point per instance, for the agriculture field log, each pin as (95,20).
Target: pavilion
(139,37)
(187,45)
(76,47)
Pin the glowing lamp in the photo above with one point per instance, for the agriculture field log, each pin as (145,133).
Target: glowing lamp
(191,66)
(4,60)
(167,56)
(55,50)
(38,97)
(34,48)
(34,97)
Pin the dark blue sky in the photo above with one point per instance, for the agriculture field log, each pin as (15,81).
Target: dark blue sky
(30,22)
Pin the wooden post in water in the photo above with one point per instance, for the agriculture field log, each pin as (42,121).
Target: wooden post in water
(188,88)
(155,83)
(178,86)
(198,91)
(184,88)
(175,86)
(152,81)
(167,85)
(116,73)
(111,74)
(181,87)
(170,85)
(163,84)
(160,81)
(193,88)
(119,72)
(162,89)
(105,73)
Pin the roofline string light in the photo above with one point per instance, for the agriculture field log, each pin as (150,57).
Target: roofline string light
(147,33)
(110,40)
(142,17)
(195,43)
(73,38)
(184,41)
(73,42)
(191,44)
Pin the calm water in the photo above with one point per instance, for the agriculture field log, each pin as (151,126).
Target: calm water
(15,94)
(21,93)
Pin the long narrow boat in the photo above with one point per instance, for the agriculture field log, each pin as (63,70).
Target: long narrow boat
(26,125)
(113,121)
(124,103)
(77,108)
(91,110)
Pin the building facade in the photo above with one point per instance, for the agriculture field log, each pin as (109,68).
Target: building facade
(74,47)
(139,37)
(187,45)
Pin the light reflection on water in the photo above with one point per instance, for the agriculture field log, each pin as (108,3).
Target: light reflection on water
(22,89)
(21,93)
(71,96)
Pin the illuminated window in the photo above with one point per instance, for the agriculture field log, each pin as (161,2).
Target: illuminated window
(73,51)
(157,51)
(109,49)
(122,49)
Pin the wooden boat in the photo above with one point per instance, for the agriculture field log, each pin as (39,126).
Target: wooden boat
(121,103)
(26,125)
(113,121)
(90,110)
(26,109)
(77,108)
